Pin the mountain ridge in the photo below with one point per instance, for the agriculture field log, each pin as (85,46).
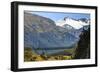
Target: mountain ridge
(76,24)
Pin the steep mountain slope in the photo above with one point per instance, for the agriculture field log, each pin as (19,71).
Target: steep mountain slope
(77,32)
(37,23)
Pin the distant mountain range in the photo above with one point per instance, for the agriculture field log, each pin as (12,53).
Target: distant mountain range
(73,26)
(44,33)
(72,23)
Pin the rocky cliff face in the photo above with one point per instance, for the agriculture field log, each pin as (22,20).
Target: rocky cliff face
(41,32)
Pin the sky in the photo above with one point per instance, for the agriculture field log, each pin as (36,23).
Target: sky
(60,15)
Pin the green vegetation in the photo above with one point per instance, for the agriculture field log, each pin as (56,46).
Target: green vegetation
(30,55)
(70,50)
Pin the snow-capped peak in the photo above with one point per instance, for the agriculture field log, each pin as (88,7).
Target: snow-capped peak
(77,24)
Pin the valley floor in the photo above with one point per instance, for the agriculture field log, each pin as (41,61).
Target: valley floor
(30,55)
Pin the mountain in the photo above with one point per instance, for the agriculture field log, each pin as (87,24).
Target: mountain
(73,26)
(68,27)
(70,23)
(42,33)
(84,20)
(37,23)
(77,32)
(33,25)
